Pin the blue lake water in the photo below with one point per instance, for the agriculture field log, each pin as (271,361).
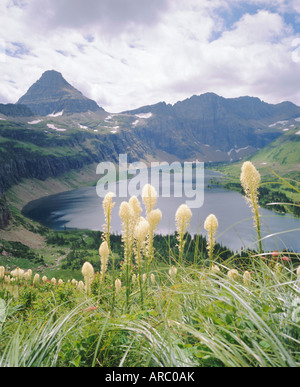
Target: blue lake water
(82,209)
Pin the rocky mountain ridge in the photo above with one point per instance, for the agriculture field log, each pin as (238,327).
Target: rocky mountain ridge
(54,129)
(226,126)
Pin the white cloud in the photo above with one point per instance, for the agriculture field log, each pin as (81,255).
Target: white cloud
(108,16)
(151,51)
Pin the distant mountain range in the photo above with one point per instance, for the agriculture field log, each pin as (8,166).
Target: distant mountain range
(209,124)
(208,127)
(54,128)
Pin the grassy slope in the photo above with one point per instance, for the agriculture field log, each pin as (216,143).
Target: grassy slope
(197,318)
(282,157)
(29,233)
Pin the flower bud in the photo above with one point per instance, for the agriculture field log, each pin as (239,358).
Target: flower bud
(149,197)
(118,285)
(36,279)
(173,271)
(247,278)
(233,274)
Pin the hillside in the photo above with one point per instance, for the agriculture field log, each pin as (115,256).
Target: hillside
(282,154)
(37,151)
(279,158)
(213,128)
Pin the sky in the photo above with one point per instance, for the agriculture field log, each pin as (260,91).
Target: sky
(125,54)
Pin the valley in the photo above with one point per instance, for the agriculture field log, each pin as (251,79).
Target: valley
(52,140)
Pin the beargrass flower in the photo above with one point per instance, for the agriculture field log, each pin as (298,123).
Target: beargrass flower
(2,272)
(144,278)
(18,273)
(28,275)
(141,231)
(182,221)
(136,206)
(152,278)
(36,279)
(104,254)
(247,278)
(88,274)
(182,218)
(108,206)
(80,286)
(250,180)
(129,214)
(173,271)
(211,225)
(140,235)
(215,269)
(149,197)
(125,212)
(233,274)
(118,285)
(154,218)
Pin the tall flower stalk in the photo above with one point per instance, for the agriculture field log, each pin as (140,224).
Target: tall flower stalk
(141,232)
(108,206)
(250,180)
(211,225)
(2,272)
(182,221)
(127,216)
(149,196)
(88,274)
(153,216)
(104,256)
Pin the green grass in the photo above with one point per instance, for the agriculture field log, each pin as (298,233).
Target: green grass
(196,317)
(283,154)
(281,186)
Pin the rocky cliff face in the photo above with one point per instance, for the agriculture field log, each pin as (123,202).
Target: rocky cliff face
(71,153)
(211,120)
(13,110)
(4,213)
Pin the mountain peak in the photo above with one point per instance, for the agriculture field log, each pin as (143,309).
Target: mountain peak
(52,75)
(52,72)
(53,94)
